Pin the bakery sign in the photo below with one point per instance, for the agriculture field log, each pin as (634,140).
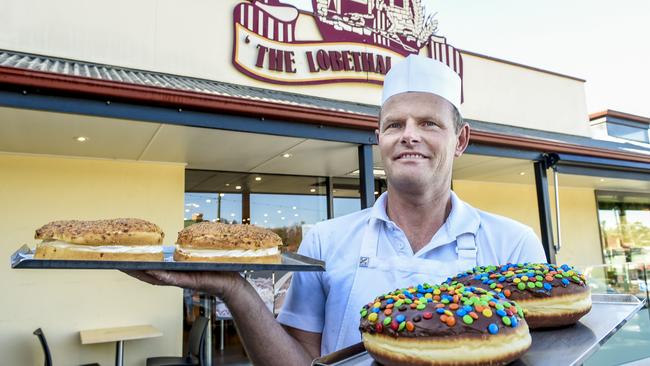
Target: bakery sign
(361,39)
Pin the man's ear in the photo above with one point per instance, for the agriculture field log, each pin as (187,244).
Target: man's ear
(462,140)
(377,134)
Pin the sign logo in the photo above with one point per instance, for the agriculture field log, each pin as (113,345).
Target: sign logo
(361,39)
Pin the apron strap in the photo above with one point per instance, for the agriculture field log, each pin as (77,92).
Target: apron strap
(466,249)
(369,243)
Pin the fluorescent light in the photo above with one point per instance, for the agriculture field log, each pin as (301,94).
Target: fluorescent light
(279,211)
(232,215)
(258,178)
(221,194)
(237,187)
(266,215)
(208,201)
(312,190)
(227,184)
(602,179)
(282,218)
(286,155)
(296,215)
(375,171)
(187,210)
(376,193)
(522,173)
(81,138)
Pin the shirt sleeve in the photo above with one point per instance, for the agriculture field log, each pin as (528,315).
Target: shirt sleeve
(529,249)
(304,305)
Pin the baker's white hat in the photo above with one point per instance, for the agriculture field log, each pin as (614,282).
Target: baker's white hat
(422,74)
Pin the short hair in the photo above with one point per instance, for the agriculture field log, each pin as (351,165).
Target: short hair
(459,122)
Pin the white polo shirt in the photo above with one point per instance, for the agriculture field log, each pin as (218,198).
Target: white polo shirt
(316,301)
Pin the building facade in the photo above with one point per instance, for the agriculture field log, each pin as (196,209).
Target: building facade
(214,108)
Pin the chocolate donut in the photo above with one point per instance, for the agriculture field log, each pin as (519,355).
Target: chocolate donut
(551,295)
(443,325)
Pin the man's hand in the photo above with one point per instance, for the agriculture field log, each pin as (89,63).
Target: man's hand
(220,284)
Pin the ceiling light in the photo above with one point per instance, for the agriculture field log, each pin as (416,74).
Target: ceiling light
(237,187)
(266,221)
(258,178)
(232,215)
(296,215)
(286,155)
(602,179)
(266,215)
(522,173)
(208,201)
(282,218)
(294,207)
(312,190)
(187,210)
(227,184)
(375,171)
(279,211)
(376,193)
(221,194)
(81,138)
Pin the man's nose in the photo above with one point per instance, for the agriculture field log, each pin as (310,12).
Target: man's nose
(410,133)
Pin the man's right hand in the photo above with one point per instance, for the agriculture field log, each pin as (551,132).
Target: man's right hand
(220,284)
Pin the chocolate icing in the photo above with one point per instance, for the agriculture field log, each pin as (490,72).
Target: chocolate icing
(502,278)
(462,301)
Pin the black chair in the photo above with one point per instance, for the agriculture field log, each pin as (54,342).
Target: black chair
(46,349)
(194,355)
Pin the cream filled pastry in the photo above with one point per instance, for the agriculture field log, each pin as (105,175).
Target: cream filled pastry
(443,325)
(124,239)
(217,242)
(551,295)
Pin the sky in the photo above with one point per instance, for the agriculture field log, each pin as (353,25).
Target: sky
(603,42)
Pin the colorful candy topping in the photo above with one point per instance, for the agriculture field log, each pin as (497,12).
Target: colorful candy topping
(428,310)
(537,278)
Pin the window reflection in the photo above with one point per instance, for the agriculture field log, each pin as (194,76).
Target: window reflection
(288,205)
(625,226)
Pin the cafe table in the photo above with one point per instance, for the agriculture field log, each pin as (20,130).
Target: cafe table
(118,335)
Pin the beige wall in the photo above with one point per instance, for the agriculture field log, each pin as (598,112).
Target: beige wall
(519,201)
(580,229)
(195,39)
(35,190)
(506,94)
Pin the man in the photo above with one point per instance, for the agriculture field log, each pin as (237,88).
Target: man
(418,231)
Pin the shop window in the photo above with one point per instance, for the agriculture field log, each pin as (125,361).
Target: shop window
(628,131)
(222,207)
(625,226)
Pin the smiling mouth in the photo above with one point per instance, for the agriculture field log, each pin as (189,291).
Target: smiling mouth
(410,156)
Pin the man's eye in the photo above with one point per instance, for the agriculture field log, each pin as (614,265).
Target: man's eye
(430,123)
(393,125)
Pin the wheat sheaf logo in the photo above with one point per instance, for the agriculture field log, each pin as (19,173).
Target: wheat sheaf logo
(359,40)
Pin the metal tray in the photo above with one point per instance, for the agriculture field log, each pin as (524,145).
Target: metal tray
(24,258)
(564,346)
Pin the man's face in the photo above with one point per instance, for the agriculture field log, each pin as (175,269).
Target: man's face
(418,141)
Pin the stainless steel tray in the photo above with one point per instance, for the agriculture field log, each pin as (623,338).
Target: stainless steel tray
(24,258)
(565,346)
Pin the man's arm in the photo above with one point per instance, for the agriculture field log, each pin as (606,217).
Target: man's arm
(266,341)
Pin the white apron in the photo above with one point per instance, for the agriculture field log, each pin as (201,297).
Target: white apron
(375,276)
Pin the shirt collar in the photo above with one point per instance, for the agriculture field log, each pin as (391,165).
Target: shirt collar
(462,219)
